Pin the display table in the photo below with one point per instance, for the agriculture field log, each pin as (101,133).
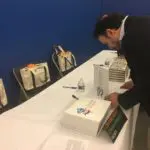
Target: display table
(44,111)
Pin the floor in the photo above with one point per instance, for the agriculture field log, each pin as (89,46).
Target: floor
(142,133)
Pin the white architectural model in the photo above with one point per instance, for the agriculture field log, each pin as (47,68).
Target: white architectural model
(101,80)
(86,115)
(116,70)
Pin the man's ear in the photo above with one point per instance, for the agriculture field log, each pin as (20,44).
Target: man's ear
(109,32)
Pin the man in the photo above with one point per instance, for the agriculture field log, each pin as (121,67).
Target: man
(131,36)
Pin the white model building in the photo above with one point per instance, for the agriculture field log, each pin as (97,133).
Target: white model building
(86,116)
(101,80)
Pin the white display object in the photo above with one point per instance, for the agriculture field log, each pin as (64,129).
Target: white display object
(86,116)
(101,80)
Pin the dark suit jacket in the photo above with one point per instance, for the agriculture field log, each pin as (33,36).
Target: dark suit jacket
(136,48)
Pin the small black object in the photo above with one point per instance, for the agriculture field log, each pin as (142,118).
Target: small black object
(70,87)
(101,65)
(75,97)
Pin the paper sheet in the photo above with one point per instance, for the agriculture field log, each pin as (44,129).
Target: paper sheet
(59,142)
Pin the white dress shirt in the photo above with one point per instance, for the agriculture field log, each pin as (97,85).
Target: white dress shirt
(122,31)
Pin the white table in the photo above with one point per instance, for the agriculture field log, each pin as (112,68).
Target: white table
(44,112)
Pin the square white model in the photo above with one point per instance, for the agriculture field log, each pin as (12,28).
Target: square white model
(86,116)
(101,80)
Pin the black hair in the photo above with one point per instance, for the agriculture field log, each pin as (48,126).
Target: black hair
(109,21)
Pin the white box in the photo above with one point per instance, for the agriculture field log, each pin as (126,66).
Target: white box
(90,119)
(101,79)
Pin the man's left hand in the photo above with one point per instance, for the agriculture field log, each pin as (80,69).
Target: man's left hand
(113,97)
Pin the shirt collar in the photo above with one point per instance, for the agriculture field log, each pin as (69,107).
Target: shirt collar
(122,31)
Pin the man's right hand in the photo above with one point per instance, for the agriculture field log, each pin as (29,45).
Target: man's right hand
(128,85)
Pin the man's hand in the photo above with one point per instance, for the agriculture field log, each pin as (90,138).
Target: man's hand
(113,97)
(128,85)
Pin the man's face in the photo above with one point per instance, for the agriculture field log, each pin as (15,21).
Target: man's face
(111,39)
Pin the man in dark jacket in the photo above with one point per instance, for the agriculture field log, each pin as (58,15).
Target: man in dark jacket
(131,36)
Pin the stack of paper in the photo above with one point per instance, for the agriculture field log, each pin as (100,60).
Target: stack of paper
(66,143)
(118,70)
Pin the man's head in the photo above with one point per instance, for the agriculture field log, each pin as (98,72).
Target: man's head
(107,30)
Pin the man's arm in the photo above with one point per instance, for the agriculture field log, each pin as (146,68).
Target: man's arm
(139,93)
(128,99)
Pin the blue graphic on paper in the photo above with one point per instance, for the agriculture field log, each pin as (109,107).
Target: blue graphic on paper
(83,111)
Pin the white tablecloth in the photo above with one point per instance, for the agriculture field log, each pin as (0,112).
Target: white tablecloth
(44,111)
